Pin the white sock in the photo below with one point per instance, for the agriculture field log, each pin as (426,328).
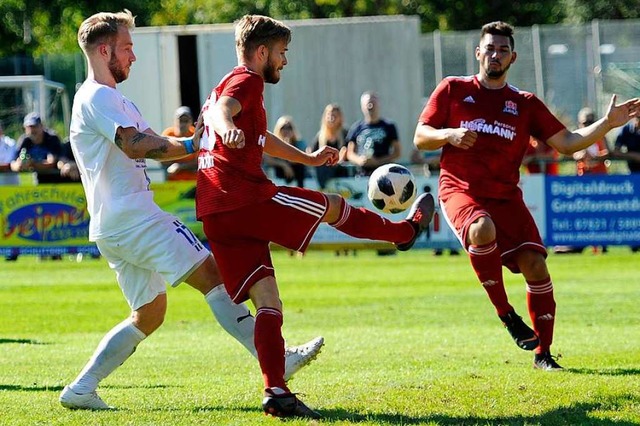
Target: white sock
(235,319)
(114,349)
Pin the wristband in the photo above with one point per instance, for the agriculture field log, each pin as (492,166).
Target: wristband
(188,146)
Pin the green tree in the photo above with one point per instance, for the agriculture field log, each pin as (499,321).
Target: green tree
(587,10)
(35,27)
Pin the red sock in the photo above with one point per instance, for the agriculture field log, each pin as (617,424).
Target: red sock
(270,347)
(363,223)
(485,260)
(542,311)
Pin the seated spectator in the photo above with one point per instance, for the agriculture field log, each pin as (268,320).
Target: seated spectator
(285,130)
(185,168)
(39,150)
(8,153)
(333,134)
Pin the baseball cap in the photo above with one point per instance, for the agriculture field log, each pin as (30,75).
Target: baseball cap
(32,119)
(183,110)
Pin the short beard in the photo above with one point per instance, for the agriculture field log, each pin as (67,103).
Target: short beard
(499,73)
(118,73)
(271,73)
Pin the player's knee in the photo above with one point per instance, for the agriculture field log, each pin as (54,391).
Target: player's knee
(334,208)
(265,294)
(205,277)
(482,231)
(150,317)
(533,265)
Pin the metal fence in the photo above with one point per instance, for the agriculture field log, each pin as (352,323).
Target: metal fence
(568,66)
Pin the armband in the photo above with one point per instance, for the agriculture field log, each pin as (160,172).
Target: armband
(188,146)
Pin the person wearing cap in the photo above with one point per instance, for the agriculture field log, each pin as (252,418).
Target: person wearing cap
(38,150)
(185,168)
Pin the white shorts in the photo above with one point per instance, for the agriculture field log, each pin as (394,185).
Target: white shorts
(144,258)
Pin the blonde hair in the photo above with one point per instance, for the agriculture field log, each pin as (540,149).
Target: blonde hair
(323,134)
(283,121)
(253,31)
(103,28)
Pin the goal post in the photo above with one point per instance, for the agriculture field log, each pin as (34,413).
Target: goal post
(22,94)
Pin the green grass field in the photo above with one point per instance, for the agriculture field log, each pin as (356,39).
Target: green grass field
(411,339)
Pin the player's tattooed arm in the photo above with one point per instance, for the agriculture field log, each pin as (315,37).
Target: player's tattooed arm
(136,144)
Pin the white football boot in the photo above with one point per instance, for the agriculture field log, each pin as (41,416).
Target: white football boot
(88,401)
(297,357)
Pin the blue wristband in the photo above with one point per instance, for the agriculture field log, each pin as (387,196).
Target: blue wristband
(188,146)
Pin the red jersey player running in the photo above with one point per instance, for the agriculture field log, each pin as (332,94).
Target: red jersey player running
(243,211)
(483,125)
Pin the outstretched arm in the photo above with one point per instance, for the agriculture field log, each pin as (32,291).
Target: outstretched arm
(276,147)
(567,142)
(149,144)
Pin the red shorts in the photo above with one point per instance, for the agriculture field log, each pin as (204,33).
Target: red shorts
(240,238)
(515,228)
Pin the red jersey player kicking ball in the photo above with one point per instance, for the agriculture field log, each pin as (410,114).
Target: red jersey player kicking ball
(243,211)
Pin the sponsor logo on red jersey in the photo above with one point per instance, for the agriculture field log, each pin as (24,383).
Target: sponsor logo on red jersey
(480,125)
(510,107)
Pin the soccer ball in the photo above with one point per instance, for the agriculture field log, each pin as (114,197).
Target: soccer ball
(392,188)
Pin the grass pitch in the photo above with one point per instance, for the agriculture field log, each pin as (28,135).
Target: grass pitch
(411,339)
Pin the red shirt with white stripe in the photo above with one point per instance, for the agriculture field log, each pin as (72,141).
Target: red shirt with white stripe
(230,178)
(504,120)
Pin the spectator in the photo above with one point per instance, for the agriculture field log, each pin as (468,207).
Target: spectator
(186,168)
(332,133)
(627,146)
(7,177)
(591,160)
(372,141)
(39,150)
(540,158)
(8,153)
(285,130)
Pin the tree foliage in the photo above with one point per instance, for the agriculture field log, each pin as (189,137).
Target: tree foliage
(34,27)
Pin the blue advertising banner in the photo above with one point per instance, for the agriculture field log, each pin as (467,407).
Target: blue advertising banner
(593,210)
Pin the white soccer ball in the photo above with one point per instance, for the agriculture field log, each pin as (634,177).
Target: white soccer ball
(392,188)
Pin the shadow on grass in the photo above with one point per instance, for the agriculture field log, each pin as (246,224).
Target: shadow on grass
(22,341)
(32,388)
(577,414)
(605,371)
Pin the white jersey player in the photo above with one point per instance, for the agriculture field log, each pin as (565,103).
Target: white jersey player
(145,246)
